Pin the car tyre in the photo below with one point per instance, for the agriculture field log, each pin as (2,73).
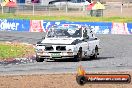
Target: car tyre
(95,56)
(78,57)
(39,59)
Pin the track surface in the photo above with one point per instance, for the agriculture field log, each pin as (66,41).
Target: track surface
(115,55)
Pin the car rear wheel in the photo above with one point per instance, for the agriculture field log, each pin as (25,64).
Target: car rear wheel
(95,56)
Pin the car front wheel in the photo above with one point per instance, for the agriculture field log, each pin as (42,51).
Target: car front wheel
(78,57)
(39,59)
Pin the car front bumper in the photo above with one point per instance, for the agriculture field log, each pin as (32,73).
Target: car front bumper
(55,55)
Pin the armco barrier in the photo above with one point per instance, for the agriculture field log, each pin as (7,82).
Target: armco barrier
(43,25)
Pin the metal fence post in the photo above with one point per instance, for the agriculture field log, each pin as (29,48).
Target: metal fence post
(49,10)
(121,8)
(33,9)
(83,7)
(2,9)
(60,7)
(66,6)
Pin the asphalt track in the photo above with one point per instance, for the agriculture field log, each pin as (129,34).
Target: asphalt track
(115,55)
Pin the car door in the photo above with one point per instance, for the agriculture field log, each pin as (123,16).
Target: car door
(85,46)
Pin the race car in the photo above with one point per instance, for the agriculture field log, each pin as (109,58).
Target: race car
(74,42)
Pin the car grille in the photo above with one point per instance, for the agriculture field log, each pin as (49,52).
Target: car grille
(57,48)
(48,48)
(60,48)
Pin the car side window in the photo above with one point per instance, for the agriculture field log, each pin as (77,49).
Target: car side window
(85,33)
(74,1)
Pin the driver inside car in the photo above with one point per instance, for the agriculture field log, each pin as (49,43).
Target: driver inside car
(78,32)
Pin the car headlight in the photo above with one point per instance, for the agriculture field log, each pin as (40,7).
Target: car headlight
(70,49)
(39,50)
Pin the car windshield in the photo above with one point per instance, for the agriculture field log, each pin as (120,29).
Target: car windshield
(65,31)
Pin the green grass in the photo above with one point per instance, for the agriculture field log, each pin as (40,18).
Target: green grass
(8,51)
(69,18)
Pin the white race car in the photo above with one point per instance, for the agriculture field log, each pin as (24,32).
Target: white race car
(68,42)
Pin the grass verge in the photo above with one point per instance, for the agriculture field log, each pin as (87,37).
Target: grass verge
(15,50)
(68,18)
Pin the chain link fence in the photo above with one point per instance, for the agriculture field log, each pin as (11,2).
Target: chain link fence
(111,9)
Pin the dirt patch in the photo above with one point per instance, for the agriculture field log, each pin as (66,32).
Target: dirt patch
(52,81)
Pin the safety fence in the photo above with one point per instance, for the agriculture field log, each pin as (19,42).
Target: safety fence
(43,25)
(65,9)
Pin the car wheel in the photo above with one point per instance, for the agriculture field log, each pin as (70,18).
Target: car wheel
(78,57)
(39,59)
(95,56)
(81,80)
